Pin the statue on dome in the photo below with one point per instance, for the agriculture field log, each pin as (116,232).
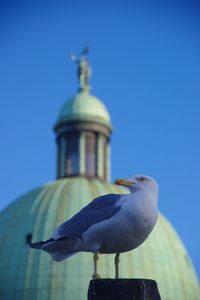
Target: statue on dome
(84,70)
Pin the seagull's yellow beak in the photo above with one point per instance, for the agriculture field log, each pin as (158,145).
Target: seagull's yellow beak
(123,182)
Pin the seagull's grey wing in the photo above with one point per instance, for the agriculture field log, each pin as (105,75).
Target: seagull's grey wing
(100,209)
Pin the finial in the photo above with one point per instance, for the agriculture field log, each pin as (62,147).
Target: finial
(84,70)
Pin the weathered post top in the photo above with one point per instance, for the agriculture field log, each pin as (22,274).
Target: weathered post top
(123,289)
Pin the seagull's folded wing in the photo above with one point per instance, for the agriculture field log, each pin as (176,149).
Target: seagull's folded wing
(98,210)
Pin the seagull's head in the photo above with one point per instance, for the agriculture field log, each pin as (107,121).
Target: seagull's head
(139,182)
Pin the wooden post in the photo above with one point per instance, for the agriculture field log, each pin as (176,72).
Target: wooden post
(123,289)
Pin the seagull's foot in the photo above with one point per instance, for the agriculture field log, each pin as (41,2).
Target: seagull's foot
(96,276)
(95,259)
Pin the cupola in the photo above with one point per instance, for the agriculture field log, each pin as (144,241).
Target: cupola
(83,130)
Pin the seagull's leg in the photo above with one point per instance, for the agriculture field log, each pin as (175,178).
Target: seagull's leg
(95,259)
(117,265)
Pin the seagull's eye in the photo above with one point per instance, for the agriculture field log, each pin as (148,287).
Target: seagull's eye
(142,178)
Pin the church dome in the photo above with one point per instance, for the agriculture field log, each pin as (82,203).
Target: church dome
(28,274)
(84,107)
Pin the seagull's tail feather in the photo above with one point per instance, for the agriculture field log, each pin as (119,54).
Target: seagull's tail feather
(60,249)
(37,245)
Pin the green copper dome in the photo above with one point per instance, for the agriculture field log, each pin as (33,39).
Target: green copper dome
(84,107)
(32,275)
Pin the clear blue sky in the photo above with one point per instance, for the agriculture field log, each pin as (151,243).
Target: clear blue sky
(146,68)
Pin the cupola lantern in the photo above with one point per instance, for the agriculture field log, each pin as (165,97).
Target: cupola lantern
(83,131)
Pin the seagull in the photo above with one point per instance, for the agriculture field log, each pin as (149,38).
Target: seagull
(110,224)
